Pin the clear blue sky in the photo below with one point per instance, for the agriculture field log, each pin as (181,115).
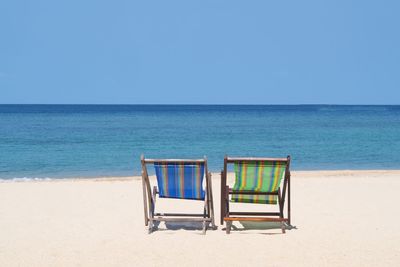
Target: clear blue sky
(250,52)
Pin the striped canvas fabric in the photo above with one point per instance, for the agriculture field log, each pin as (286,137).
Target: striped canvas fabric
(258,177)
(180,180)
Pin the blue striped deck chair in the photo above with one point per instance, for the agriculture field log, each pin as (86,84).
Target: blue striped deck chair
(179,179)
(257,181)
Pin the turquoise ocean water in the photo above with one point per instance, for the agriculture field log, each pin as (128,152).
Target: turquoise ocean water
(61,141)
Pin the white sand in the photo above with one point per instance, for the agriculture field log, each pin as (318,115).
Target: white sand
(343,218)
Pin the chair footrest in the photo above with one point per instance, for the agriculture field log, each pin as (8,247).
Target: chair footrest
(182,219)
(179,214)
(255,219)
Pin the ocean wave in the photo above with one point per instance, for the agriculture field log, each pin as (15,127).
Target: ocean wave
(25,179)
(76,178)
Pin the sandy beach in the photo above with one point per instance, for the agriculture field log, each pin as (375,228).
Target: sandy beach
(341,218)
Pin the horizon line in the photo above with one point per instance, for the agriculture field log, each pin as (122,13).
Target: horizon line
(190,104)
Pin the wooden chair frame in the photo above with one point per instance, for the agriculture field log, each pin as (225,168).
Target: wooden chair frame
(282,193)
(149,198)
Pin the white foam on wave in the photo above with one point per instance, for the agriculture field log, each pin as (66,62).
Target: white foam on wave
(79,178)
(25,179)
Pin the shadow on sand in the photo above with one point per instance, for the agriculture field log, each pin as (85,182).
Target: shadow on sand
(175,226)
(248,225)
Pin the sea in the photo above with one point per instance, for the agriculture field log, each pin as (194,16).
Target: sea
(65,141)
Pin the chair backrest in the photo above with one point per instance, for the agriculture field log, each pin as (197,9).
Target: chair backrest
(259,176)
(180,179)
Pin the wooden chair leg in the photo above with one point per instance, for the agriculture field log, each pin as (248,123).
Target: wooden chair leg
(206,210)
(145,207)
(226,201)
(223,185)
(211,206)
(154,193)
(212,217)
(289,215)
(150,227)
(151,216)
(204,227)
(228,227)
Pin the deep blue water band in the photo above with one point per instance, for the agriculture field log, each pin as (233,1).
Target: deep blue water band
(107,140)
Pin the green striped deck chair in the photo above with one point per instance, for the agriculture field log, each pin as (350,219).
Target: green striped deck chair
(257,181)
(258,176)
(180,179)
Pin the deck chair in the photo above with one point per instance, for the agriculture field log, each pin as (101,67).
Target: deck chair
(259,181)
(179,179)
